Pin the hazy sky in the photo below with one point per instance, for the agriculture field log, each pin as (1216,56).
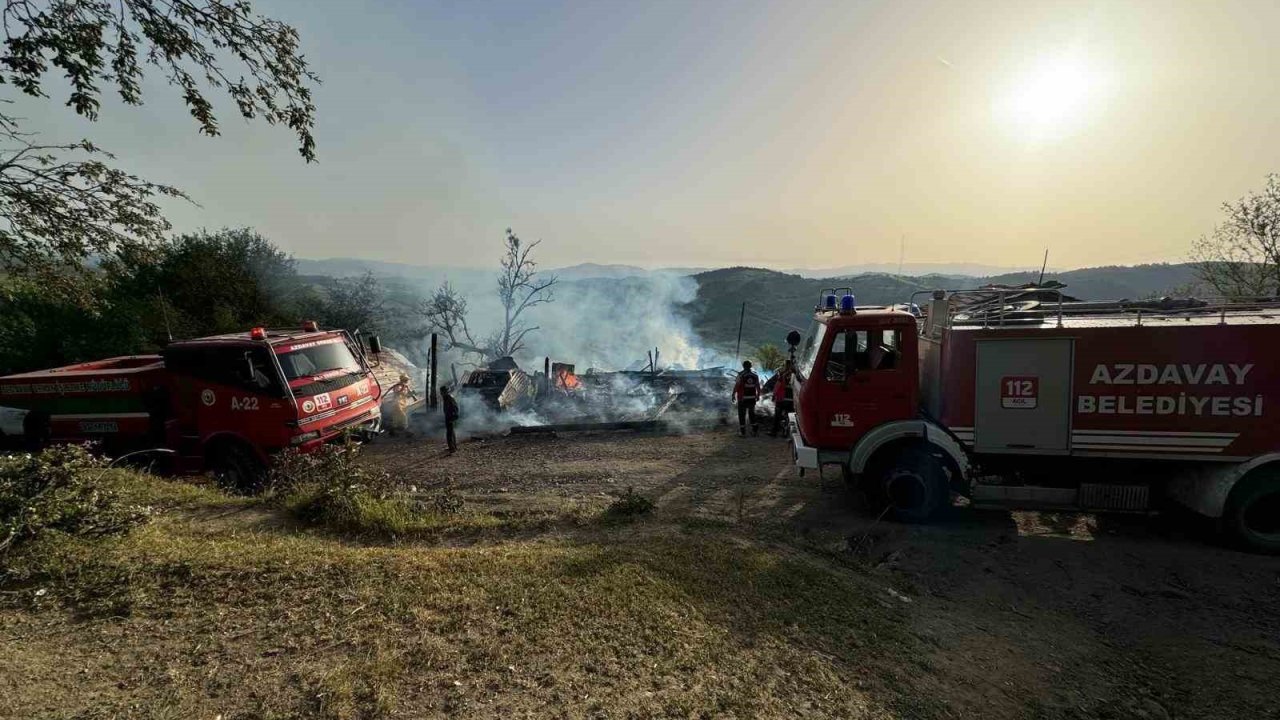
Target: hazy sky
(704,132)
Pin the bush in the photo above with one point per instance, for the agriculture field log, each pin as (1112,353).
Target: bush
(629,505)
(332,489)
(62,489)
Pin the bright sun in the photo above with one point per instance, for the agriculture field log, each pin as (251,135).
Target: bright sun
(1049,101)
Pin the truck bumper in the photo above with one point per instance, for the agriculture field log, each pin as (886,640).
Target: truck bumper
(805,457)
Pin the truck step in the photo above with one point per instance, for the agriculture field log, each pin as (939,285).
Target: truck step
(1089,496)
(1024,496)
(1126,498)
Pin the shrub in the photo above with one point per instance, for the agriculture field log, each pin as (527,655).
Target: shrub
(629,505)
(62,489)
(332,489)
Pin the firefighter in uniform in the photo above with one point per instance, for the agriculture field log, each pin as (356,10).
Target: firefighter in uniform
(745,392)
(402,395)
(782,402)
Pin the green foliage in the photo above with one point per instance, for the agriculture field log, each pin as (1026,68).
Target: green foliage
(194,285)
(630,505)
(358,303)
(62,490)
(206,283)
(61,203)
(332,489)
(770,357)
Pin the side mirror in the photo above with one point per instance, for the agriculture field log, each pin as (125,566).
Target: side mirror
(793,339)
(375,344)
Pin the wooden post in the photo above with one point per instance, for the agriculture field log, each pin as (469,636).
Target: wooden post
(431,392)
(546,376)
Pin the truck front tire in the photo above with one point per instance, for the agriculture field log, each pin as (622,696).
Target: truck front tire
(913,486)
(1252,514)
(236,468)
(36,431)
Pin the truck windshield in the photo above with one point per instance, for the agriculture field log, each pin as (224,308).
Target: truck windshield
(304,361)
(809,351)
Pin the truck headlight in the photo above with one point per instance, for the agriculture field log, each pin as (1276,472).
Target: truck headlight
(304,437)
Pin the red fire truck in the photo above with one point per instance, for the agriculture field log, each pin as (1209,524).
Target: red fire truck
(1021,398)
(224,403)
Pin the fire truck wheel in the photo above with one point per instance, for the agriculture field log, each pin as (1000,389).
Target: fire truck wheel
(915,487)
(1252,514)
(236,468)
(35,430)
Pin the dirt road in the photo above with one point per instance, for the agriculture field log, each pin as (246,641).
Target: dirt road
(1029,614)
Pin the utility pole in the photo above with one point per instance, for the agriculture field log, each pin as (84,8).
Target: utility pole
(741,316)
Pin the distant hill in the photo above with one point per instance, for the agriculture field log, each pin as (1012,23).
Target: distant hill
(1114,282)
(777,301)
(909,269)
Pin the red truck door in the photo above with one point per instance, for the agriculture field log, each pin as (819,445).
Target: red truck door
(215,391)
(865,382)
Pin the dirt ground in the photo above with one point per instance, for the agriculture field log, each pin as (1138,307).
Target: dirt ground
(1027,614)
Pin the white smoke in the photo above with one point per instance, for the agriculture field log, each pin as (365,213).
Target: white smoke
(591,323)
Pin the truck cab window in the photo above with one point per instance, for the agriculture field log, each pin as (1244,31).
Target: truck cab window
(229,366)
(837,358)
(260,373)
(861,351)
(883,349)
(848,353)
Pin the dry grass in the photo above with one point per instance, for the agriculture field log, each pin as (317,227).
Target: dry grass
(226,607)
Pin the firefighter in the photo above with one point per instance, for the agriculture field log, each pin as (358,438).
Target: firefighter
(782,403)
(401,395)
(745,393)
(450,417)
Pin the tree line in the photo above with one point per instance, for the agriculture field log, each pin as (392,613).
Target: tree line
(192,285)
(208,283)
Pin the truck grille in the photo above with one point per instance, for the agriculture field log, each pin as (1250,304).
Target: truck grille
(324,386)
(1132,498)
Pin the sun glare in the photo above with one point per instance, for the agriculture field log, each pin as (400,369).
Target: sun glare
(1048,101)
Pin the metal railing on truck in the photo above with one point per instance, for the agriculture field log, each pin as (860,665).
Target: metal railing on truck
(1000,307)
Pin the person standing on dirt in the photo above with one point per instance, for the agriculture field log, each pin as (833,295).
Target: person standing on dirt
(450,417)
(746,392)
(782,403)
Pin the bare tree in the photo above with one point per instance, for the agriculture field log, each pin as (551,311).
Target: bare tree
(1241,258)
(446,314)
(519,288)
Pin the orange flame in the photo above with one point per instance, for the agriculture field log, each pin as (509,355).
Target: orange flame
(567,381)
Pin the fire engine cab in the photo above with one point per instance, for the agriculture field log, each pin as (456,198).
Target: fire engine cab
(224,403)
(1019,397)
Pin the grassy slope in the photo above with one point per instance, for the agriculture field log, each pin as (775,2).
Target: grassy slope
(222,607)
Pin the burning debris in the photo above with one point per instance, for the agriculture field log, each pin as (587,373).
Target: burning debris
(558,398)
(502,387)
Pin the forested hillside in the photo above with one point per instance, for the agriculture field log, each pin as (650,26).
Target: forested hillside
(777,302)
